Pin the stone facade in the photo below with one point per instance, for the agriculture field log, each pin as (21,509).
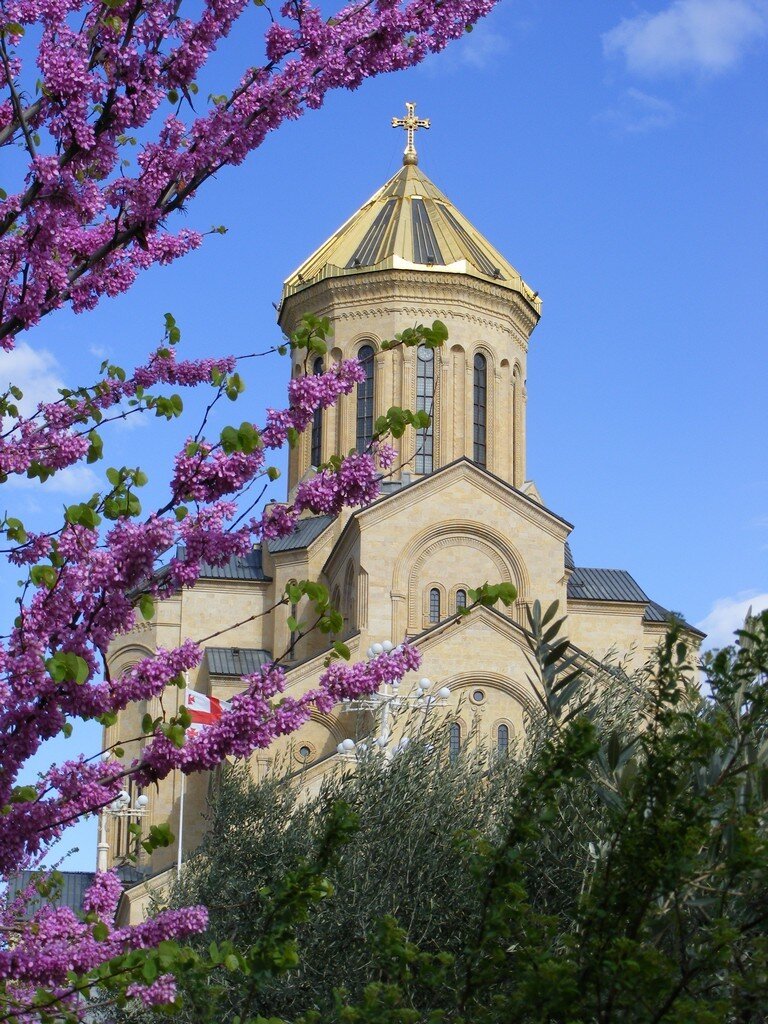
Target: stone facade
(447,530)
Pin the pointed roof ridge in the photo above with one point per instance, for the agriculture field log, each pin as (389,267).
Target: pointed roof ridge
(409,224)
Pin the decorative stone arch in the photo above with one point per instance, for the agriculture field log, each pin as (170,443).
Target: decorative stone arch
(123,661)
(329,722)
(405,581)
(493,680)
(128,656)
(364,338)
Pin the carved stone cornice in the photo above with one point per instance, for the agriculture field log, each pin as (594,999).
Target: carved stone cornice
(389,292)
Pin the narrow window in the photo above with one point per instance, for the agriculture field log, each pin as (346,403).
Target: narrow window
(434,605)
(479,405)
(317,422)
(425,395)
(502,740)
(461,599)
(454,741)
(365,399)
(294,634)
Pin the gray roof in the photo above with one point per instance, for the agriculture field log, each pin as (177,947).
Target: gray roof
(656,612)
(73,887)
(306,531)
(235,661)
(605,585)
(618,585)
(247,567)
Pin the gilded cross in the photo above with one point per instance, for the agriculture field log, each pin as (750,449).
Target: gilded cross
(410,123)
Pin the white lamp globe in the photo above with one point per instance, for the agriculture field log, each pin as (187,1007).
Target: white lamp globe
(107,755)
(142,801)
(387,646)
(124,797)
(444,692)
(377,648)
(369,653)
(348,745)
(425,683)
(339,748)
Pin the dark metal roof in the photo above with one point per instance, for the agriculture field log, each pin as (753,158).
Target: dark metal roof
(247,567)
(73,887)
(605,585)
(306,531)
(477,256)
(235,661)
(425,247)
(655,612)
(366,254)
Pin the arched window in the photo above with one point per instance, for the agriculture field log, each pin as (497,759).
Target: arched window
(348,600)
(434,605)
(502,740)
(454,741)
(461,599)
(365,399)
(425,395)
(317,422)
(479,409)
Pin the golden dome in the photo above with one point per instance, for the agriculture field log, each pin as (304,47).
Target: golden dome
(409,225)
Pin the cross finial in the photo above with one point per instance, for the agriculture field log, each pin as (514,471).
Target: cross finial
(410,123)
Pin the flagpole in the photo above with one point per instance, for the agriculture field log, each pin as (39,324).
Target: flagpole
(181,824)
(179,853)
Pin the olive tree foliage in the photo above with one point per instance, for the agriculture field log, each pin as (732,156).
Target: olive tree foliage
(611,868)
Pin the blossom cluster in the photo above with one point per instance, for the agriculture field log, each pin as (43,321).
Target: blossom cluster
(85,584)
(82,221)
(110,155)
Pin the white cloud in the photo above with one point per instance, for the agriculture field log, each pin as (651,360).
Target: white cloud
(636,111)
(73,482)
(35,371)
(728,614)
(708,36)
(478,50)
(481,48)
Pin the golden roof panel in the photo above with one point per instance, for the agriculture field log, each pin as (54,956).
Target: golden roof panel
(409,224)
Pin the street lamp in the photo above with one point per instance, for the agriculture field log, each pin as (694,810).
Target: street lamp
(382,704)
(119,808)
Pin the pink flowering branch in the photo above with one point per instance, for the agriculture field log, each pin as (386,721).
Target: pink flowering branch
(95,575)
(84,225)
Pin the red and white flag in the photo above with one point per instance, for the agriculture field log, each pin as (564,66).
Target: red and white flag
(203,710)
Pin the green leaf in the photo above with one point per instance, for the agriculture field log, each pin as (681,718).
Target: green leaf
(342,650)
(147,606)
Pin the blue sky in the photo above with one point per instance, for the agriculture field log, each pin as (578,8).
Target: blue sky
(616,154)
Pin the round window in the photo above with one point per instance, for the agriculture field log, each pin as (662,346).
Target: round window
(478,696)
(304,752)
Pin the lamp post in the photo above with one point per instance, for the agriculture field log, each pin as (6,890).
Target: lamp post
(119,808)
(383,704)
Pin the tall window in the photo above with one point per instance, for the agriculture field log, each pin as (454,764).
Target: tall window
(365,399)
(454,741)
(461,599)
(434,605)
(479,407)
(317,422)
(425,394)
(502,740)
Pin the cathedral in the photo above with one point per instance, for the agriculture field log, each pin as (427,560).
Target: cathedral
(459,511)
